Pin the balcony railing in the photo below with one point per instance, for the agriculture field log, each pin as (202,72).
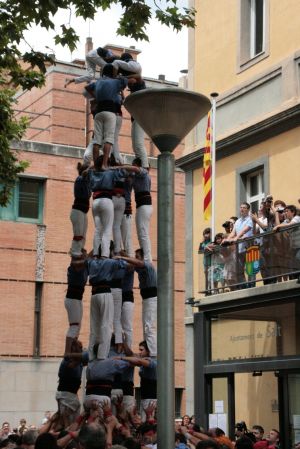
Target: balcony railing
(267,258)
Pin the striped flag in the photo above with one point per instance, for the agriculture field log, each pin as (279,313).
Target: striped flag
(207,187)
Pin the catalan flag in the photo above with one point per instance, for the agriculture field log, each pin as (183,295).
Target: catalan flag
(207,173)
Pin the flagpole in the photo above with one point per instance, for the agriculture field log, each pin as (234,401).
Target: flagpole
(213,95)
(213,178)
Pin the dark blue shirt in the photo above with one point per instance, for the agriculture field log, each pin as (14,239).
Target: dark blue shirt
(107,93)
(81,188)
(105,369)
(147,276)
(128,280)
(104,269)
(128,189)
(104,180)
(149,372)
(77,278)
(70,377)
(142,181)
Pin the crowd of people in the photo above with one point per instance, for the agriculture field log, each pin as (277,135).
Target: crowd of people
(127,431)
(251,244)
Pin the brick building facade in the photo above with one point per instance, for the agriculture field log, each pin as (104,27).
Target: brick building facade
(34,251)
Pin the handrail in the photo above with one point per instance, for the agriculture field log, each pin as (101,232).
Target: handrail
(267,257)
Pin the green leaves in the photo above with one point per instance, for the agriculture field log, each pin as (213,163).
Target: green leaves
(135,17)
(68,37)
(18,16)
(10,129)
(173,17)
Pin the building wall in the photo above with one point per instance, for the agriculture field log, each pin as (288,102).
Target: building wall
(216,42)
(254,100)
(282,153)
(31,252)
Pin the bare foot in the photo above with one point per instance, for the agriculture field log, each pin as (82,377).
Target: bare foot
(68,81)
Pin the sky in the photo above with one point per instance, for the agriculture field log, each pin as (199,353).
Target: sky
(165,53)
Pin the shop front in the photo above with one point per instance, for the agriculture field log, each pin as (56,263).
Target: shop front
(247,361)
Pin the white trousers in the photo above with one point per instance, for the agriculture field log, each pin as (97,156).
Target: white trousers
(88,154)
(104,127)
(144,404)
(126,232)
(116,393)
(126,321)
(142,219)
(103,213)
(101,324)
(149,316)
(90,399)
(74,311)
(117,298)
(68,405)
(138,144)
(115,148)
(128,402)
(119,207)
(79,222)
(92,59)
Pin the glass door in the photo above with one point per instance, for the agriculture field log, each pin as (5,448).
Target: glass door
(294,406)
(256,399)
(221,403)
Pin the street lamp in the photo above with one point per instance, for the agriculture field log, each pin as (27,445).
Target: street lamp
(166,115)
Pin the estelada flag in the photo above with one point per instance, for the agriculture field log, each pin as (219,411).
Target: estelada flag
(207,172)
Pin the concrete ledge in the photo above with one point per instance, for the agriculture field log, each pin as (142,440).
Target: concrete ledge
(254,292)
(68,151)
(242,139)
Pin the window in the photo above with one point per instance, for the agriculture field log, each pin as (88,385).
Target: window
(252,183)
(37,318)
(257,22)
(178,401)
(26,203)
(267,331)
(253,30)
(255,189)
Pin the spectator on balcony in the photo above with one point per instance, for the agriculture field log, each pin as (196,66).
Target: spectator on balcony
(278,211)
(217,266)
(243,228)
(291,217)
(203,249)
(276,248)
(228,226)
(264,220)
(228,253)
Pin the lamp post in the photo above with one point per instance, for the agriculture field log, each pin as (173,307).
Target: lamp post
(166,115)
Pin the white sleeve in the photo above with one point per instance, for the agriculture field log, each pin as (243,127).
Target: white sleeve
(131,66)
(296,219)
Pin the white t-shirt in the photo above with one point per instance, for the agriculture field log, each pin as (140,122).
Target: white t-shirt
(295,219)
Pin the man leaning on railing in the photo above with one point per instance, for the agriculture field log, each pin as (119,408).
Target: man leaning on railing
(242,228)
